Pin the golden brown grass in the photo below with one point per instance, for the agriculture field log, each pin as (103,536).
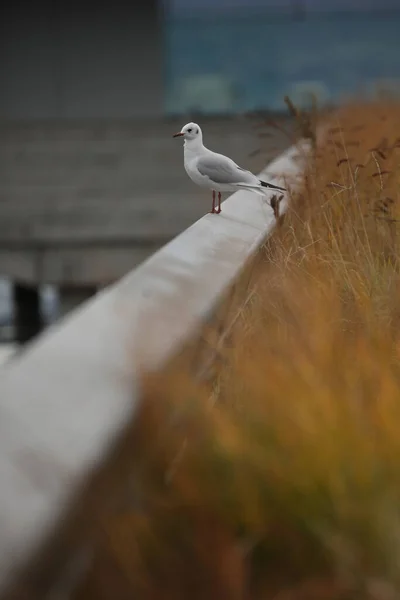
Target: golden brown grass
(279,477)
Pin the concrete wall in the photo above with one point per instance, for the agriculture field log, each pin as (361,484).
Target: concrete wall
(67,398)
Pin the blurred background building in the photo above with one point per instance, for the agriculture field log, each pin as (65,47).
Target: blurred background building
(90,181)
(243,55)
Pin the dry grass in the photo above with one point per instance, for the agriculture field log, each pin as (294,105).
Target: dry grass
(280,478)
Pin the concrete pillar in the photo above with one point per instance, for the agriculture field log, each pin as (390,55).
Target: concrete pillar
(28,320)
(70,297)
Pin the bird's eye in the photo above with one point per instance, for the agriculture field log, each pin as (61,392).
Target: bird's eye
(190,130)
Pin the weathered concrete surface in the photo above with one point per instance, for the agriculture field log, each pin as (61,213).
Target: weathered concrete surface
(84,202)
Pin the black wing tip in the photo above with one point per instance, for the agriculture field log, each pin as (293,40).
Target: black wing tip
(272,187)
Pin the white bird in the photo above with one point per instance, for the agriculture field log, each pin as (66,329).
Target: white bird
(216,171)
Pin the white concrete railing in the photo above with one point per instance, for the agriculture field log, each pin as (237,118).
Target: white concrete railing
(65,398)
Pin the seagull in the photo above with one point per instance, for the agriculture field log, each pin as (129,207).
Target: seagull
(216,171)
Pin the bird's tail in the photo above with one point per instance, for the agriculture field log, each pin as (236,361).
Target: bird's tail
(257,189)
(271,186)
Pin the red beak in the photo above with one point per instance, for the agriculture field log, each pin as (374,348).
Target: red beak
(179,134)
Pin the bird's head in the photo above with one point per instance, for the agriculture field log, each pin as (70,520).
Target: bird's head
(190,132)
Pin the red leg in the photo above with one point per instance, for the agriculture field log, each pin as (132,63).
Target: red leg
(219,203)
(212,211)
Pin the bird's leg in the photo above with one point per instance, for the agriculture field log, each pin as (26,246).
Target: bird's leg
(212,211)
(219,203)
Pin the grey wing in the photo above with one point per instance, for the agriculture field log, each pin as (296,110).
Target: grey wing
(223,170)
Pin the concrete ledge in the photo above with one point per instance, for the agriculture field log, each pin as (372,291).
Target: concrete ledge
(64,399)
